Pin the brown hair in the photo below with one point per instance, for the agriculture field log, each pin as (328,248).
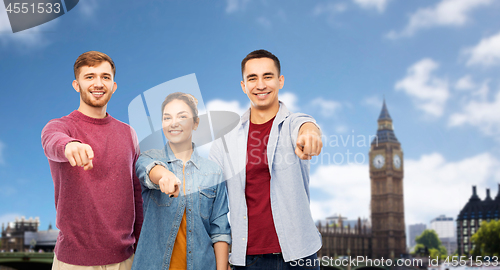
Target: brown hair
(92,59)
(189,99)
(261,54)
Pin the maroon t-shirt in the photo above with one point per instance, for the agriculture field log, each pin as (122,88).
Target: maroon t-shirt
(262,237)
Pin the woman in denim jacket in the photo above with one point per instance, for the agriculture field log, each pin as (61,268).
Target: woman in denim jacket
(185,198)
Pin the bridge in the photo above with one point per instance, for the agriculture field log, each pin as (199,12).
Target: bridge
(27,260)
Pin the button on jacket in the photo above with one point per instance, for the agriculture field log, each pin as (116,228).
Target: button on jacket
(297,233)
(205,204)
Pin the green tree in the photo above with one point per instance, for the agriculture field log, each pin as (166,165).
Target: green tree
(419,250)
(438,253)
(429,238)
(487,239)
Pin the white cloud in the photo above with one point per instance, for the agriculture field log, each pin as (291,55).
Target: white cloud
(330,10)
(88,7)
(429,93)
(480,113)
(465,83)
(486,53)
(290,100)
(26,39)
(340,129)
(235,5)
(8,218)
(444,13)
(2,147)
(266,23)
(349,187)
(222,105)
(377,4)
(432,186)
(483,91)
(328,107)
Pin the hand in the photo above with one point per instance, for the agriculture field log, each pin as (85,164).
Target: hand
(79,154)
(168,182)
(309,144)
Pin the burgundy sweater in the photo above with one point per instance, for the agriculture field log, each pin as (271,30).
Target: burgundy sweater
(99,212)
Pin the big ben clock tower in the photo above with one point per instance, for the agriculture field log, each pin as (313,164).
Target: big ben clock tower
(387,204)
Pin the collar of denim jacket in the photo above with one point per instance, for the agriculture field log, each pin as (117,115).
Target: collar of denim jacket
(195,158)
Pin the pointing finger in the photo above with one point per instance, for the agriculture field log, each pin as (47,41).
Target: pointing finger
(84,157)
(90,152)
(89,166)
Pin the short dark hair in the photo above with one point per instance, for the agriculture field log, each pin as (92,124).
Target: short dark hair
(92,59)
(189,99)
(261,54)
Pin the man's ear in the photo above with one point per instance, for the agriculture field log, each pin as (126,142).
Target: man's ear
(243,87)
(76,86)
(114,87)
(282,81)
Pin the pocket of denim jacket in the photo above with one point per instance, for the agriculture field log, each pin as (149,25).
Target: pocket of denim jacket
(207,197)
(160,198)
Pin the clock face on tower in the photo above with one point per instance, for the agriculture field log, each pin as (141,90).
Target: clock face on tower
(396,161)
(378,161)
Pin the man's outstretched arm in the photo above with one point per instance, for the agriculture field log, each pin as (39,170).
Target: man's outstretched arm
(60,147)
(309,142)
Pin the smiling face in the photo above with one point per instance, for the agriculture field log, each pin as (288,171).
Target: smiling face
(178,123)
(95,85)
(262,82)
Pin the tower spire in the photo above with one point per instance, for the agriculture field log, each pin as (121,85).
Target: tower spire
(384,114)
(385,132)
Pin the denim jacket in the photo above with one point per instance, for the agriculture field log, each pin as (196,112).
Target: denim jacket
(205,204)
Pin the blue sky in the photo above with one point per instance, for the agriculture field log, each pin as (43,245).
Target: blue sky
(435,62)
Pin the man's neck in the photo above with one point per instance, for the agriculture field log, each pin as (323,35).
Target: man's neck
(262,116)
(94,112)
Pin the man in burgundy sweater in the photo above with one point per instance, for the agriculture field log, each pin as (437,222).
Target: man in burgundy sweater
(92,157)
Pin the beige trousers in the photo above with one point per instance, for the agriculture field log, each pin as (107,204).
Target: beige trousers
(125,265)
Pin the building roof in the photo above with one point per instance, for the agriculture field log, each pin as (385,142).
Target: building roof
(442,218)
(384,114)
(386,133)
(476,208)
